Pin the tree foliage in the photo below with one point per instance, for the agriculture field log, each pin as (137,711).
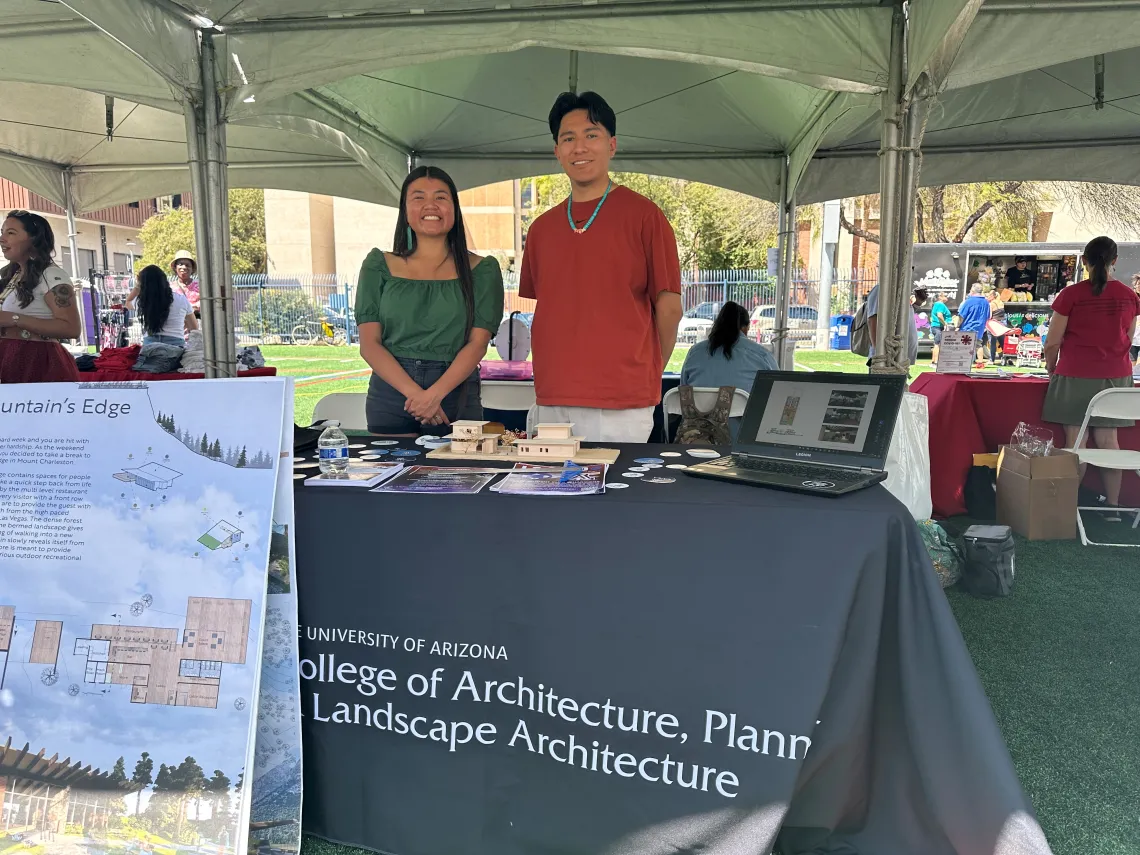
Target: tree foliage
(1002,212)
(168,232)
(716,228)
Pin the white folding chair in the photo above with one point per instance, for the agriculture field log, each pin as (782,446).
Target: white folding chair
(344,407)
(704,398)
(1110,404)
(507,394)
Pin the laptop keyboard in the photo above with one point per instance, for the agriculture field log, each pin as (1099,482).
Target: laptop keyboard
(795,470)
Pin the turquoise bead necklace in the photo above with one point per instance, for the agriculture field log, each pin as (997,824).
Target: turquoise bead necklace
(589,222)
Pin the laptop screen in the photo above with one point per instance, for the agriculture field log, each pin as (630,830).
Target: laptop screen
(821,417)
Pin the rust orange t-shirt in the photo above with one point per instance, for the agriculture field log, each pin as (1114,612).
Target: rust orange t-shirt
(594,336)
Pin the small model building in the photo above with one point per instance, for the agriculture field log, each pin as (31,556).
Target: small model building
(550,442)
(468,437)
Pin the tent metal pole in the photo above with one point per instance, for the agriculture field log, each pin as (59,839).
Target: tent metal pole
(73,245)
(1040,6)
(917,110)
(310,163)
(224,288)
(889,356)
(592,11)
(573,81)
(787,251)
(194,145)
(218,236)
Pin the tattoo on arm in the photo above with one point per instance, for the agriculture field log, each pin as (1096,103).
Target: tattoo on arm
(63,295)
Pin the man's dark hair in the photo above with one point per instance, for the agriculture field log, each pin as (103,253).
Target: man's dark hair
(594,104)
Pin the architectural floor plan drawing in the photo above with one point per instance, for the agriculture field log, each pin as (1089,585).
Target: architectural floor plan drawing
(7,623)
(45,642)
(221,536)
(168,666)
(153,476)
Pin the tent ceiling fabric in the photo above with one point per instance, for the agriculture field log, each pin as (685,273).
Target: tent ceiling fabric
(484,118)
(995,132)
(472,97)
(45,128)
(32,30)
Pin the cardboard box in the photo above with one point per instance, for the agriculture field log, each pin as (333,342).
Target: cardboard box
(1037,496)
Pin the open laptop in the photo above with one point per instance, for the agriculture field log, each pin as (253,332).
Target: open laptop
(821,433)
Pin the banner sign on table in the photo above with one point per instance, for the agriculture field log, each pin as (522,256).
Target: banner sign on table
(957,352)
(137,524)
(275,813)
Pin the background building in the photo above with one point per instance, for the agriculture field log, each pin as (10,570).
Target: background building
(309,234)
(108,240)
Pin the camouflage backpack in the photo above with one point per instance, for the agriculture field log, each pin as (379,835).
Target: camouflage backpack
(709,428)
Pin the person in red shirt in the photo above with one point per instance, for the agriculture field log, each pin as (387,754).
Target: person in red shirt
(1086,352)
(603,267)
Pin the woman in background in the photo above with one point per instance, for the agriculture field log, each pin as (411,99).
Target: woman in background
(38,306)
(426,313)
(1088,351)
(728,357)
(166,316)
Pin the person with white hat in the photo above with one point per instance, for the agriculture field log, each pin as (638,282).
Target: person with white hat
(184,283)
(185,268)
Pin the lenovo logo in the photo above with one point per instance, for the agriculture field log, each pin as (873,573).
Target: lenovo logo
(802,454)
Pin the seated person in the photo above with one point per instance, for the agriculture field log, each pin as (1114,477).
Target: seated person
(728,357)
(166,315)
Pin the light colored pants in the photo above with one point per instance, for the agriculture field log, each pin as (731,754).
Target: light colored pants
(596,425)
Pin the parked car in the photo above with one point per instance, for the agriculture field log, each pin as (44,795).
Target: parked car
(801,321)
(696,322)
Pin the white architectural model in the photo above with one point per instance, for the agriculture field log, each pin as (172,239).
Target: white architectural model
(550,442)
(468,437)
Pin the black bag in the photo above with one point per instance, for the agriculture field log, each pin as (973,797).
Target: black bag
(989,560)
(981,493)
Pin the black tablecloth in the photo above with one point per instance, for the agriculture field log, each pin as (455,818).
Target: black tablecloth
(725,606)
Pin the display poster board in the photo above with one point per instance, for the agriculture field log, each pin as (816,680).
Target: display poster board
(957,352)
(275,812)
(138,522)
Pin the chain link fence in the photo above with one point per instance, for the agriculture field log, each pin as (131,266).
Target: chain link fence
(314,308)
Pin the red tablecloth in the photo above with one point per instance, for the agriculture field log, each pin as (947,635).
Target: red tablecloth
(131,376)
(972,415)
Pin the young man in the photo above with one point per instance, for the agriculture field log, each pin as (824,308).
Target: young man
(605,273)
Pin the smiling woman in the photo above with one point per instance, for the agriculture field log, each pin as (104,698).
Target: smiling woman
(426,313)
(38,305)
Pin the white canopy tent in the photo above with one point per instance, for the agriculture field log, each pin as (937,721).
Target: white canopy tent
(749,94)
(752,117)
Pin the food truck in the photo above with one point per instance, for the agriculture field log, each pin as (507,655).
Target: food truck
(948,270)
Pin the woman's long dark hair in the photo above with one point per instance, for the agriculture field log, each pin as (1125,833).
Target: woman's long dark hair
(726,329)
(43,248)
(155,298)
(1100,254)
(404,243)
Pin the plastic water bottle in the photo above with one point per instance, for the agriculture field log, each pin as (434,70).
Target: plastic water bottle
(333,447)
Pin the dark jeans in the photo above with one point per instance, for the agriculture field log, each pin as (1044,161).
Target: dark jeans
(384,406)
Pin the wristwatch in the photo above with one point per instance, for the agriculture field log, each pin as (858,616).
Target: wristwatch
(24,334)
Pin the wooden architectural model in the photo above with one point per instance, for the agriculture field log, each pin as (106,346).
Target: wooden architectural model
(550,442)
(470,437)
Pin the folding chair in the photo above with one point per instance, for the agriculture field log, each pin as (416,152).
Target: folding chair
(704,398)
(1111,404)
(344,407)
